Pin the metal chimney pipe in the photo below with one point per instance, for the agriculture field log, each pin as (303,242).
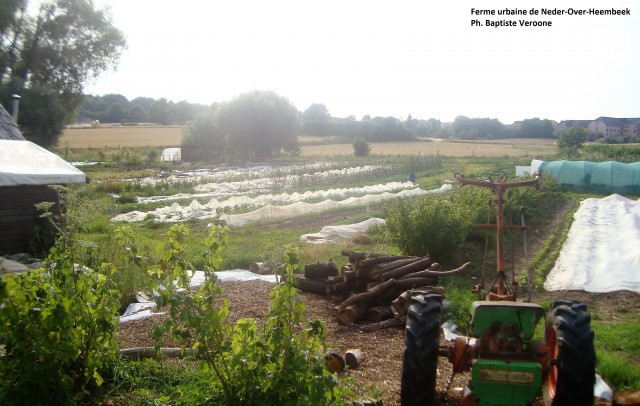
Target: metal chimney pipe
(16,105)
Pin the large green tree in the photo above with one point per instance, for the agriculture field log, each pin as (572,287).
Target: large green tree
(316,112)
(571,141)
(61,47)
(258,123)
(203,136)
(536,128)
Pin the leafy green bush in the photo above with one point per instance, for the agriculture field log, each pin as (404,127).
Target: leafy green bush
(58,331)
(435,226)
(460,298)
(278,363)
(361,147)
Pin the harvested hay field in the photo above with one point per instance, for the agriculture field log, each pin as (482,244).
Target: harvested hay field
(498,148)
(145,136)
(118,136)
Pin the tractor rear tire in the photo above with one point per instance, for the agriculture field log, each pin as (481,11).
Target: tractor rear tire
(570,337)
(421,348)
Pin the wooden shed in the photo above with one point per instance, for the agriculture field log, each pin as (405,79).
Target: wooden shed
(26,171)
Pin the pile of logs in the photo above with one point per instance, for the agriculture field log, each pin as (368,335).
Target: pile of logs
(374,286)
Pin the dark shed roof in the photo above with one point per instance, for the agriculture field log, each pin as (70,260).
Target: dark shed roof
(8,128)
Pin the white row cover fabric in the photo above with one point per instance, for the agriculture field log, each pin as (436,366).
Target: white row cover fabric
(25,163)
(271,212)
(195,210)
(601,253)
(333,234)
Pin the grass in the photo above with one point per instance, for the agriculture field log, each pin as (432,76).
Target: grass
(618,350)
(152,383)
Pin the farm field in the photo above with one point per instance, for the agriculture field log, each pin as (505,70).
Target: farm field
(510,148)
(116,137)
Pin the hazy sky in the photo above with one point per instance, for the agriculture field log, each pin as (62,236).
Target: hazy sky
(383,58)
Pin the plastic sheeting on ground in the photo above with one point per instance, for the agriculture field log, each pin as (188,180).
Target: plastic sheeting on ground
(25,163)
(601,251)
(140,310)
(331,234)
(300,208)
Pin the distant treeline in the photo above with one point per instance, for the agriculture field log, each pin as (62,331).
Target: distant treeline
(115,108)
(317,121)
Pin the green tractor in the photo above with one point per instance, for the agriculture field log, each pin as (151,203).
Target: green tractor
(508,367)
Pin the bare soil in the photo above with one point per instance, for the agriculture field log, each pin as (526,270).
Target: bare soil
(383,348)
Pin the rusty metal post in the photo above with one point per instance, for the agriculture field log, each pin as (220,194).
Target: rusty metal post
(498,187)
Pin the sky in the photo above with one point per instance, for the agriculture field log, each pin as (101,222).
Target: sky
(383,58)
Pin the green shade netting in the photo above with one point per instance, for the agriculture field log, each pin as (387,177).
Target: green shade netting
(606,176)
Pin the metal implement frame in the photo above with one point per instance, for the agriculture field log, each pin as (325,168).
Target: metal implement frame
(498,186)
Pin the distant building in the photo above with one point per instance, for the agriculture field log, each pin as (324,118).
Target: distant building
(565,125)
(614,127)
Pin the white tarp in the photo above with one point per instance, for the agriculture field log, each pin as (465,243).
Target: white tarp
(330,234)
(601,252)
(171,155)
(25,163)
(141,310)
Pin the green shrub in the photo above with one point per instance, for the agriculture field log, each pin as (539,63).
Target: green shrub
(361,147)
(279,363)
(433,225)
(58,331)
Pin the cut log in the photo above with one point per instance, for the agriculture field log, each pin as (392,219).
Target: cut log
(367,296)
(379,313)
(366,263)
(361,255)
(360,286)
(353,313)
(334,362)
(260,268)
(356,256)
(378,270)
(332,280)
(349,277)
(317,286)
(362,272)
(339,287)
(400,305)
(403,298)
(390,266)
(431,271)
(407,269)
(353,358)
(321,271)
